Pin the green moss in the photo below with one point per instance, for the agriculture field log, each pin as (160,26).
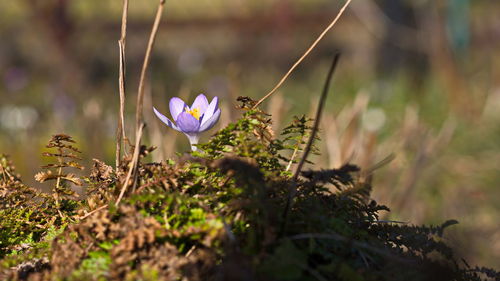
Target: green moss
(94,267)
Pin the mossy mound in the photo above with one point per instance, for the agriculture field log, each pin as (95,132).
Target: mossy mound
(221,214)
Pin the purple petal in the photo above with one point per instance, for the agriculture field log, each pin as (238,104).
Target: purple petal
(210,122)
(165,120)
(176,107)
(187,123)
(201,103)
(212,107)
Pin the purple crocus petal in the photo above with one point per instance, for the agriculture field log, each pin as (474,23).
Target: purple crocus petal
(201,103)
(212,107)
(210,122)
(176,107)
(187,123)
(165,120)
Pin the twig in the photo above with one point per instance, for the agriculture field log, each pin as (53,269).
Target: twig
(190,251)
(317,119)
(388,159)
(94,211)
(152,38)
(305,54)
(140,98)
(124,21)
(294,154)
(58,182)
(293,187)
(133,163)
(120,132)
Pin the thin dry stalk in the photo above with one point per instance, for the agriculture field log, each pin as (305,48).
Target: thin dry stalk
(293,187)
(120,133)
(133,163)
(294,154)
(152,38)
(124,21)
(317,118)
(369,171)
(314,44)
(93,212)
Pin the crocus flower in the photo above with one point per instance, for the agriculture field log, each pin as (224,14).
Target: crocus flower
(192,120)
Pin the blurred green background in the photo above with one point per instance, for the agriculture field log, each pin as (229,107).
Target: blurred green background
(418,79)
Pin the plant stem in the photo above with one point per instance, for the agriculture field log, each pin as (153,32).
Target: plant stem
(58,182)
(314,44)
(193,140)
(293,187)
(152,38)
(295,152)
(133,163)
(120,132)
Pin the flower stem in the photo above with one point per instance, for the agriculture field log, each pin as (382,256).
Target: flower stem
(193,140)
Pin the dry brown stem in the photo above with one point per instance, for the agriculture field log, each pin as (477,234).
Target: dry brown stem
(317,118)
(133,163)
(120,133)
(314,44)
(152,38)
(93,212)
(140,98)
(293,187)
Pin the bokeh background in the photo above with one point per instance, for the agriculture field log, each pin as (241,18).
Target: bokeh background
(419,80)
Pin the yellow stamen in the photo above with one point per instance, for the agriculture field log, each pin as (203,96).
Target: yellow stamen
(195,112)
